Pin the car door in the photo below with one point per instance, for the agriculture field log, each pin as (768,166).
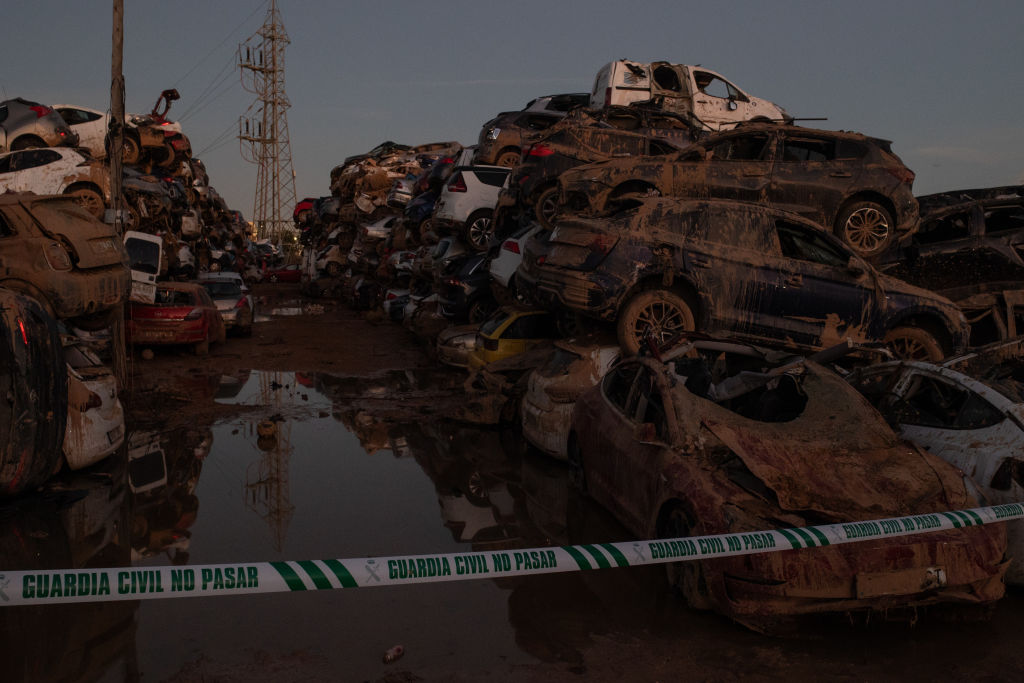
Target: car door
(670,83)
(39,170)
(824,292)
(716,101)
(813,174)
(90,126)
(737,166)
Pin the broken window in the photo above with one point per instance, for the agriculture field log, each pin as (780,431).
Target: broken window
(805,245)
(5,164)
(933,403)
(617,385)
(710,84)
(666,78)
(952,227)
(1004,219)
(741,148)
(650,409)
(5,227)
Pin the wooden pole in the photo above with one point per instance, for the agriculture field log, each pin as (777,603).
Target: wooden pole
(114,160)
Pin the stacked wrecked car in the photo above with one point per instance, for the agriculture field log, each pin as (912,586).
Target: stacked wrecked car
(672,306)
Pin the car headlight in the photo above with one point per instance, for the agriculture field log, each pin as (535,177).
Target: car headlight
(493,133)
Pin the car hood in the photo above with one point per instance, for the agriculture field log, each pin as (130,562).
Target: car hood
(838,459)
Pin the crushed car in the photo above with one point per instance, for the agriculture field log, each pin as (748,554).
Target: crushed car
(730,442)
(501,138)
(969,411)
(24,124)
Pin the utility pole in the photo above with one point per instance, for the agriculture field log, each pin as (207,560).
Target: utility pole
(116,136)
(264,136)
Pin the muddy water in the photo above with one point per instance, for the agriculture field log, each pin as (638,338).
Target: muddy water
(323,467)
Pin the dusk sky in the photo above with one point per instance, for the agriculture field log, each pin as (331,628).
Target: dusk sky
(943,79)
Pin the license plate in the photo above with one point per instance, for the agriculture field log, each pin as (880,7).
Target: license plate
(900,582)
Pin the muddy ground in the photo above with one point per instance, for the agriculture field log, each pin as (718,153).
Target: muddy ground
(610,625)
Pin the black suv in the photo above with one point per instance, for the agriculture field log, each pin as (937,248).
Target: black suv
(739,269)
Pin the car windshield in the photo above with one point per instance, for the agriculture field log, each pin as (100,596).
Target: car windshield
(143,256)
(495,321)
(222,290)
(173,297)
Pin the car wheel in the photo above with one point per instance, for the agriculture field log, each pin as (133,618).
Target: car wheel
(577,476)
(546,207)
(333,269)
(27,142)
(656,313)
(686,577)
(913,343)
(867,227)
(130,150)
(90,199)
(508,158)
(478,229)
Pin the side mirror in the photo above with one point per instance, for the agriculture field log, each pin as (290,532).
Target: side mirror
(732,105)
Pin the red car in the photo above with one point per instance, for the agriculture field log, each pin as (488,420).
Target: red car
(183,313)
(292,273)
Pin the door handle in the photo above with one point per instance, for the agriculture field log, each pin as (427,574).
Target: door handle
(794,280)
(841,174)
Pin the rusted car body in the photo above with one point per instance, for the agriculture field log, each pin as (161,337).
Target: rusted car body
(745,270)
(969,411)
(970,248)
(651,445)
(34,379)
(57,170)
(585,136)
(851,183)
(95,425)
(183,313)
(55,251)
(502,138)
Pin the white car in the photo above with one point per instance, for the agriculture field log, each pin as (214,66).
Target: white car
(57,170)
(973,420)
(683,89)
(552,390)
(466,204)
(92,126)
(504,265)
(95,426)
(233,300)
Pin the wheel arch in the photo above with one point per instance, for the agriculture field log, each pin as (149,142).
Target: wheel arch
(930,322)
(681,285)
(864,196)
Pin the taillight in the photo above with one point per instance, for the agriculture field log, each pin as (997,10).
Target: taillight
(541,260)
(57,256)
(541,149)
(24,334)
(457,183)
(453,282)
(902,174)
(511,245)
(242,303)
(41,110)
(391,295)
(194,314)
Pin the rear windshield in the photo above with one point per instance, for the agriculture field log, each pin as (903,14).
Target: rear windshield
(173,297)
(222,290)
(143,256)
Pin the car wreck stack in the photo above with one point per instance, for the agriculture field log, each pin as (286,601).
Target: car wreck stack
(655,290)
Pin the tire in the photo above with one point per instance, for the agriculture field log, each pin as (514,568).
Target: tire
(546,207)
(90,199)
(659,312)
(577,475)
(685,577)
(508,158)
(479,227)
(27,142)
(914,343)
(867,227)
(130,151)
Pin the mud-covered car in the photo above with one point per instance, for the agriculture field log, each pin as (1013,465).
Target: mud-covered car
(501,138)
(55,251)
(969,411)
(970,248)
(852,184)
(57,170)
(585,136)
(24,124)
(466,204)
(182,314)
(34,412)
(95,420)
(682,449)
(745,270)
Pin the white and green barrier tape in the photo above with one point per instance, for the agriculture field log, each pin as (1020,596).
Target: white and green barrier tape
(47,586)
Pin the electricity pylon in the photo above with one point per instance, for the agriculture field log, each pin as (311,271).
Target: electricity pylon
(263,130)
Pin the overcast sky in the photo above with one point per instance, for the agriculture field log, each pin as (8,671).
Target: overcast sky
(942,79)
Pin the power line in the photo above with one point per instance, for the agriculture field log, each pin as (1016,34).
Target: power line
(226,38)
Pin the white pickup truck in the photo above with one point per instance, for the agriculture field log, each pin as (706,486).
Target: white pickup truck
(688,90)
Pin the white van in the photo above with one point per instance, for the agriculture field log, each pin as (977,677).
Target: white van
(683,89)
(145,252)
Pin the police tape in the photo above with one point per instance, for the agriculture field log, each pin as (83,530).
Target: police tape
(41,587)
